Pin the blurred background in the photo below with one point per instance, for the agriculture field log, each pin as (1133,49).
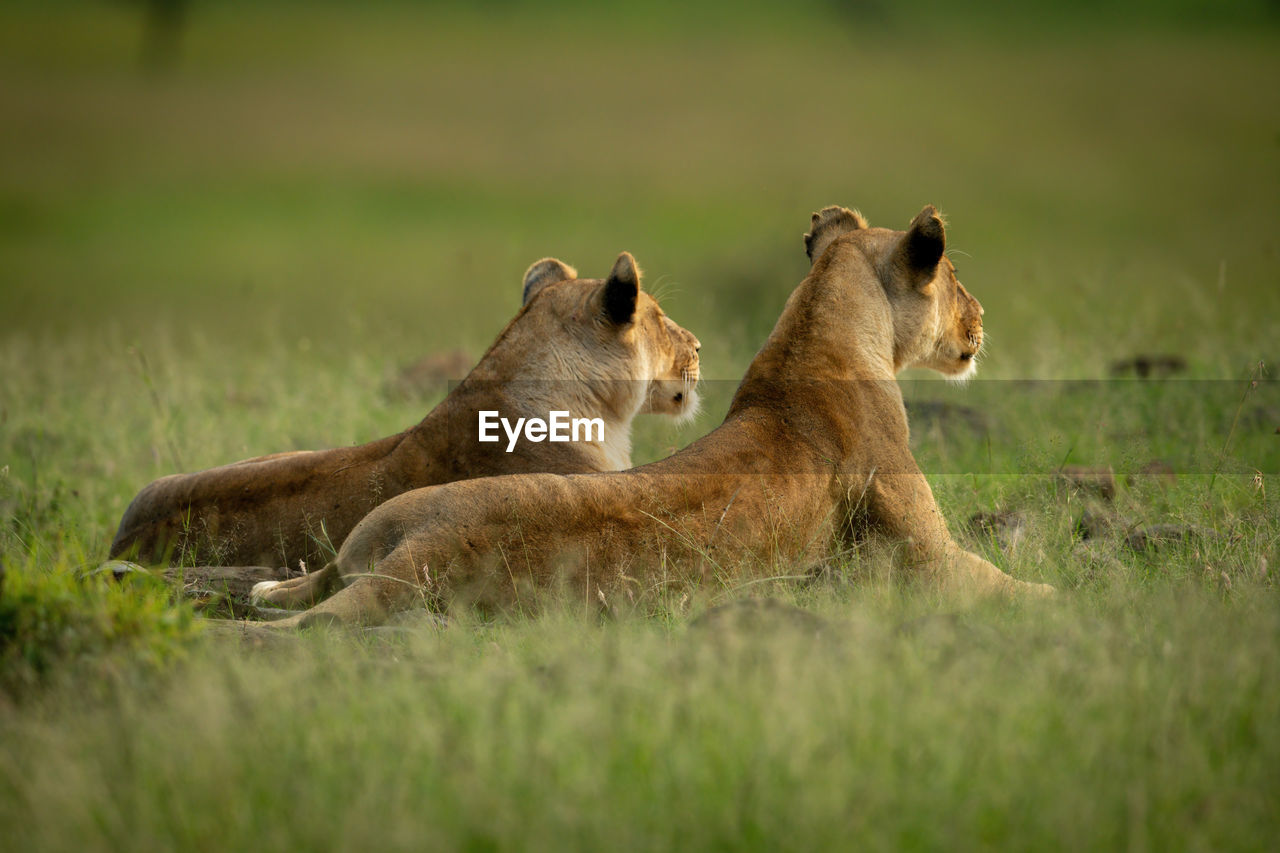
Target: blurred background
(216,210)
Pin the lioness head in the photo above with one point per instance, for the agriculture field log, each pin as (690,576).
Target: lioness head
(615,331)
(936,323)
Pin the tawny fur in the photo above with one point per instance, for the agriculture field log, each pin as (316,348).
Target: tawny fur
(559,353)
(814,446)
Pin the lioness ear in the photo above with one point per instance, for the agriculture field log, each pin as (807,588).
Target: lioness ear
(621,290)
(921,248)
(828,224)
(544,272)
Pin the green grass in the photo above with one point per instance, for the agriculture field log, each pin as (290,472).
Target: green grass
(1136,720)
(237,256)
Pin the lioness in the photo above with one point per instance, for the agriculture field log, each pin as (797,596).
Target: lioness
(814,447)
(594,348)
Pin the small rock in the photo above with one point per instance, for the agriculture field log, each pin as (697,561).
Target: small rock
(1155,536)
(1156,471)
(429,374)
(1007,528)
(246,399)
(923,414)
(1098,522)
(1149,366)
(1101,479)
(1259,416)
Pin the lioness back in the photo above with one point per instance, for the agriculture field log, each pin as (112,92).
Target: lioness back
(595,348)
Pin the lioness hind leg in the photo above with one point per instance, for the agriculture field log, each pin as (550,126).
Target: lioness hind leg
(297,592)
(356,605)
(368,597)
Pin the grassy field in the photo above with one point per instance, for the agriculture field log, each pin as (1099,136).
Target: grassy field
(236,255)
